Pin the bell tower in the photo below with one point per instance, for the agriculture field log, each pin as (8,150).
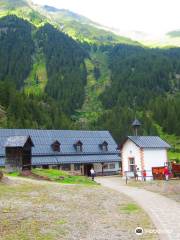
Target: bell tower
(136,125)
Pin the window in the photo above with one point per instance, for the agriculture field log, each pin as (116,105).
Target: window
(78,146)
(66,167)
(105,166)
(131,164)
(104,146)
(111,165)
(77,167)
(55,146)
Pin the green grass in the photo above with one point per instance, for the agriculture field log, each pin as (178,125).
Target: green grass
(174,141)
(37,79)
(14,174)
(57,176)
(130,208)
(62,176)
(174,156)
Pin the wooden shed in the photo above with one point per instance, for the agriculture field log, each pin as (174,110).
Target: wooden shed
(18,153)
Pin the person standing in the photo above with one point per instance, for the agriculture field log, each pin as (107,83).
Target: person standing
(144,175)
(136,173)
(92,173)
(166,173)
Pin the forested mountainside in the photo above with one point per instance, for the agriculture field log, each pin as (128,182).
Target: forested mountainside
(146,83)
(49,80)
(43,64)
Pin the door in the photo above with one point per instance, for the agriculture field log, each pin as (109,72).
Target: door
(87,168)
(131,164)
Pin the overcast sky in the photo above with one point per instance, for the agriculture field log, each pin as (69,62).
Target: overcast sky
(150,16)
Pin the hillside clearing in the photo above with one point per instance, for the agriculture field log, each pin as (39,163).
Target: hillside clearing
(36,210)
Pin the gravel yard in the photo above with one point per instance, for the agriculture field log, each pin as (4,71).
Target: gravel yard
(39,210)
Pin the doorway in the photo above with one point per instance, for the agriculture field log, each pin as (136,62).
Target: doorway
(87,168)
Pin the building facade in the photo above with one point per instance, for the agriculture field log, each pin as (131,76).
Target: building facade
(18,152)
(139,153)
(70,150)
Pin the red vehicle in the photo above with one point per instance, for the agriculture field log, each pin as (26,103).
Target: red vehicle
(175,168)
(158,173)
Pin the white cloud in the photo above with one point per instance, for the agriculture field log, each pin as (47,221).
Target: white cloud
(152,16)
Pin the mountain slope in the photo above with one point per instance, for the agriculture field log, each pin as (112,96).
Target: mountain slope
(74,25)
(9,4)
(65,67)
(23,9)
(16,48)
(144,82)
(62,58)
(82,28)
(49,80)
(28,53)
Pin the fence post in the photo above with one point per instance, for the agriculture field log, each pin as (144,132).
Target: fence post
(126,179)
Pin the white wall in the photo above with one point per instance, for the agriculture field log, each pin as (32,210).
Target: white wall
(154,158)
(130,150)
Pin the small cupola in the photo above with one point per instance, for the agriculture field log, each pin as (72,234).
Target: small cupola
(104,146)
(56,146)
(136,125)
(78,146)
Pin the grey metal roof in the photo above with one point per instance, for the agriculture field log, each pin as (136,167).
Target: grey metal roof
(16,141)
(43,139)
(136,122)
(1,162)
(149,142)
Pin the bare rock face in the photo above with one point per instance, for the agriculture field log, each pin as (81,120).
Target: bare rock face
(1,175)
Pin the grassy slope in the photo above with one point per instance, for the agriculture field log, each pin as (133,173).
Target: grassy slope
(81,28)
(37,79)
(174,141)
(23,10)
(58,176)
(62,176)
(92,107)
(91,34)
(76,26)
(36,82)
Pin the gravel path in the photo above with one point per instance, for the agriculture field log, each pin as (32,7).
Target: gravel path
(164,212)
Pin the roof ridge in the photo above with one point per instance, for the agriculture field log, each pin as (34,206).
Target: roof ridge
(32,129)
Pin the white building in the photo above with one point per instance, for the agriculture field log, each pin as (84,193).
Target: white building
(143,153)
